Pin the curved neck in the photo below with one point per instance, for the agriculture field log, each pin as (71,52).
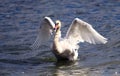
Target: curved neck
(56,43)
(57,35)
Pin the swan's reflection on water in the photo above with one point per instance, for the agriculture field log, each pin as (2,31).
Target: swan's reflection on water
(65,63)
(67,68)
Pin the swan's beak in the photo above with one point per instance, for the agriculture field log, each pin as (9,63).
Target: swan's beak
(56,27)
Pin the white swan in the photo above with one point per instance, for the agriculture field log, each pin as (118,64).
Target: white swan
(67,48)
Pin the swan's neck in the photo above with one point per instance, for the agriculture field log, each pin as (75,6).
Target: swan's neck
(56,43)
(57,35)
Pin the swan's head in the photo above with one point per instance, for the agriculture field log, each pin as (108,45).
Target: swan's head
(57,25)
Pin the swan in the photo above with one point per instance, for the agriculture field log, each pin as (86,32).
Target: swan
(67,48)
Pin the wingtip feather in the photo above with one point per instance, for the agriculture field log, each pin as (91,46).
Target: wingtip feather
(105,41)
(46,17)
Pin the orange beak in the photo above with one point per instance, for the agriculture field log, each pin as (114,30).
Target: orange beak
(56,27)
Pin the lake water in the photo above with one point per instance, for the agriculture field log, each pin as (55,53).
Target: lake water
(20,20)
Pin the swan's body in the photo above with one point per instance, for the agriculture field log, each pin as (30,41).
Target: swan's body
(67,48)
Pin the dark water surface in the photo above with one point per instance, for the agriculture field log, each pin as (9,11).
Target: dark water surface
(20,19)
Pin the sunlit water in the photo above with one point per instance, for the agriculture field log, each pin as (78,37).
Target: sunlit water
(20,20)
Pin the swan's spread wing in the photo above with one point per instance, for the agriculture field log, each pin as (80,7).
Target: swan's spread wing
(81,31)
(44,32)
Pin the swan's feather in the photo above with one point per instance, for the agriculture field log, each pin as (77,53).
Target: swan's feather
(44,32)
(80,31)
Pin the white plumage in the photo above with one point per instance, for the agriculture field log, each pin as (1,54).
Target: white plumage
(44,32)
(67,48)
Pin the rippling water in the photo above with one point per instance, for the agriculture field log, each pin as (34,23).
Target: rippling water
(20,19)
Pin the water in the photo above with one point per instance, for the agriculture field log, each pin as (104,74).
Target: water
(20,19)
